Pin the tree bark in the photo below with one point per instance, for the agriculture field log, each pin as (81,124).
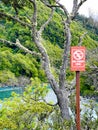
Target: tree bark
(62,97)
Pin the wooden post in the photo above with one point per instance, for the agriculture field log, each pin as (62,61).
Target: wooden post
(77,65)
(78,100)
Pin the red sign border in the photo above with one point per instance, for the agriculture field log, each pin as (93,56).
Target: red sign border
(77,68)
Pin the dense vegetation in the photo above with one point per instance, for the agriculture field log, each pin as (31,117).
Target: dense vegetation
(15,63)
(30,111)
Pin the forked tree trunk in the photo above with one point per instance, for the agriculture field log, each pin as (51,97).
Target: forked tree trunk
(57,86)
(63,104)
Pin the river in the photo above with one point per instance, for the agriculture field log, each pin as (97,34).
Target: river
(5,92)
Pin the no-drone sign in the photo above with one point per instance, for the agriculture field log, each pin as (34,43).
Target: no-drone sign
(77,58)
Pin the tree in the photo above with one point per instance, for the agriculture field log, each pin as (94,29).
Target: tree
(59,86)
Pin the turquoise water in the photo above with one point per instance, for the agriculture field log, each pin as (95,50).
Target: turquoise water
(50,97)
(7,91)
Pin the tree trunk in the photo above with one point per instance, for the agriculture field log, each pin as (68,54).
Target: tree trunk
(62,97)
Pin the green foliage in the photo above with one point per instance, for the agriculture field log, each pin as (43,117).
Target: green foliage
(26,111)
(89,121)
(88,42)
(55,37)
(13,65)
(16,4)
(89,24)
(89,81)
(7,76)
(54,52)
(49,2)
(39,89)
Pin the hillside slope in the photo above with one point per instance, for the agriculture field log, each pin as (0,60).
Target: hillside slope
(15,63)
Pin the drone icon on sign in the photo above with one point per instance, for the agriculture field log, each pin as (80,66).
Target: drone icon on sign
(78,55)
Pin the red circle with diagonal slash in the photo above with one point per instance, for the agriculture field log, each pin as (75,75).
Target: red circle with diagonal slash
(78,55)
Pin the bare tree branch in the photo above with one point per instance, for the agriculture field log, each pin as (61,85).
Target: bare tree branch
(45,101)
(76,7)
(81,3)
(47,22)
(65,10)
(34,17)
(18,44)
(50,103)
(41,100)
(67,44)
(2,14)
(38,41)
